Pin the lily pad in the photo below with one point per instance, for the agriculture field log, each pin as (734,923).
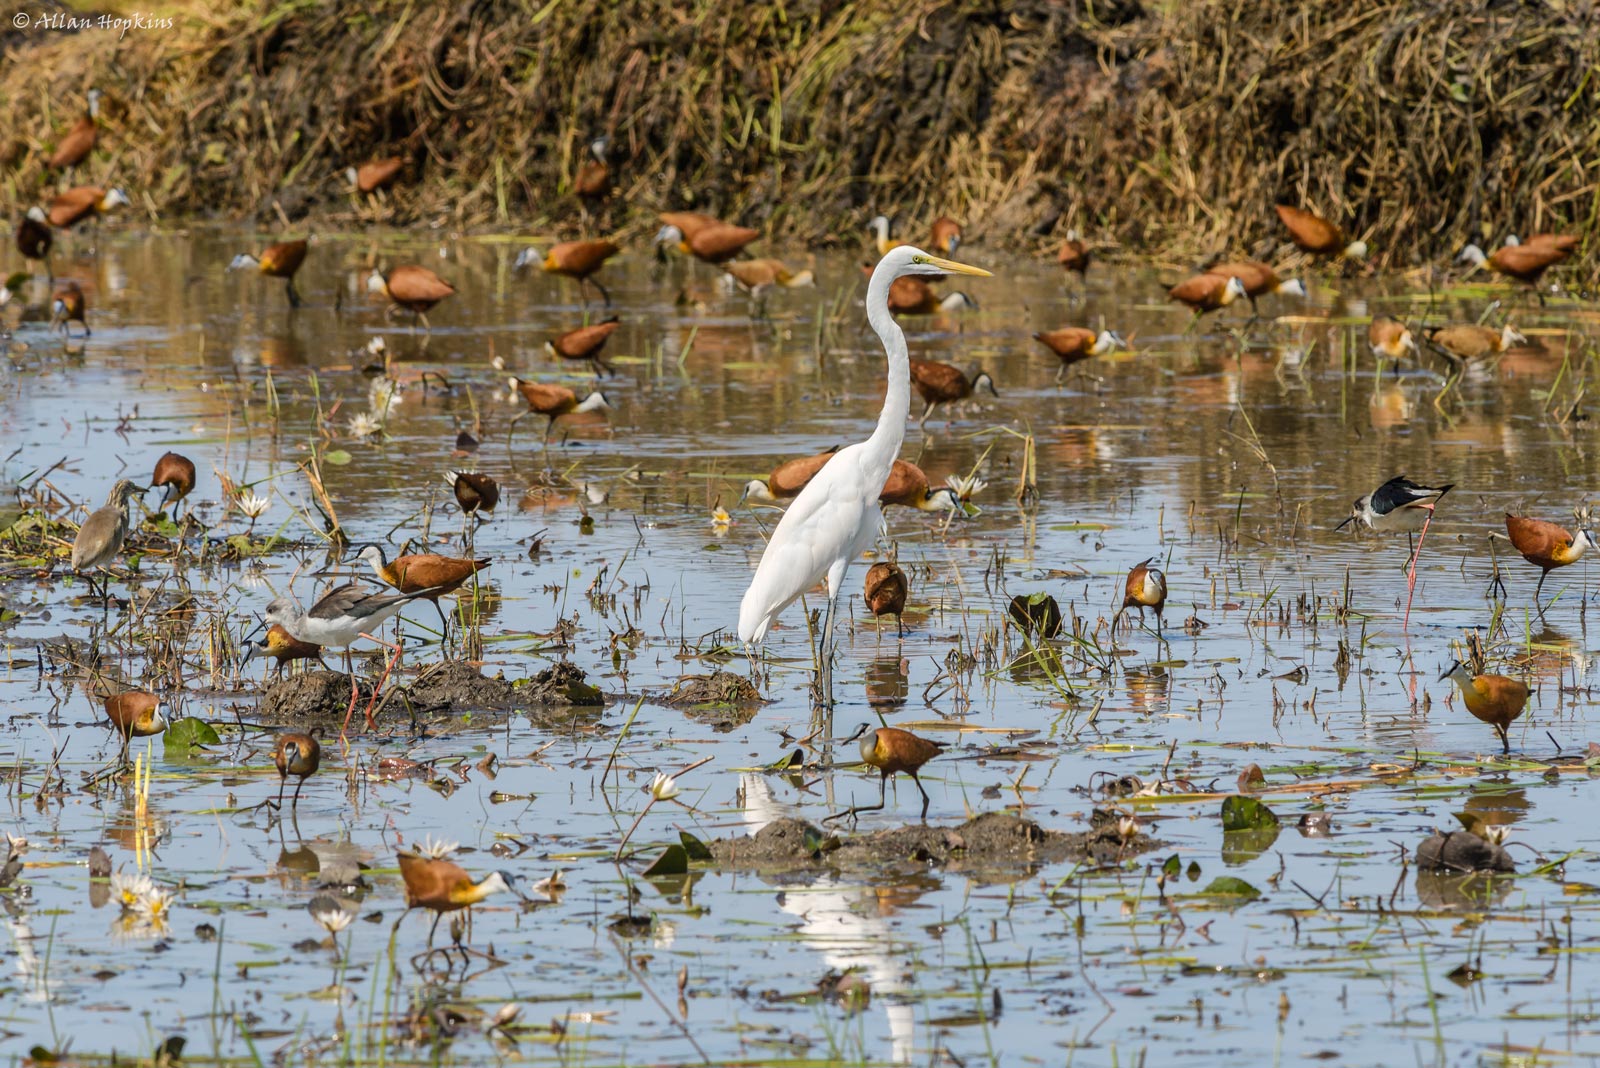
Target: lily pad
(1230,886)
(336,457)
(191,733)
(674,860)
(1241,813)
(693,847)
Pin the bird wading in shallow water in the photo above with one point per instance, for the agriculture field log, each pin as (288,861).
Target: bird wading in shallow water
(299,755)
(1399,504)
(1312,233)
(1145,587)
(890,749)
(837,515)
(276,261)
(1495,699)
(100,538)
(1548,545)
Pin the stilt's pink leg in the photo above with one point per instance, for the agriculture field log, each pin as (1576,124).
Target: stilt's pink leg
(1411,579)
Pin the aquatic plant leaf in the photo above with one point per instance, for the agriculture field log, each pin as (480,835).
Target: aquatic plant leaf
(674,860)
(1230,886)
(336,457)
(1247,814)
(191,733)
(793,760)
(694,847)
(1172,867)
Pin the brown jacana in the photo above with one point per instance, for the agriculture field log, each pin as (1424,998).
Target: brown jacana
(573,259)
(1207,292)
(1074,344)
(1388,336)
(1526,262)
(281,260)
(34,238)
(298,754)
(946,235)
(553,402)
(908,486)
(413,288)
(68,305)
(282,648)
(885,592)
(175,475)
(1494,699)
(428,574)
(1145,587)
(1464,343)
(592,183)
(1548,545)
(375,174)
(584,344)
(135,714)
(1312,233)
(1258,280)
(477,494)
(442,886)
(891,750)
(940,383)
(1074,256)
(787,479)
(79,141)
(71,207)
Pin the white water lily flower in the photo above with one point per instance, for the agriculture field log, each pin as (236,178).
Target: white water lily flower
(663,787)
(552,885)
(966,487)
(720,517)
(384,395)
(155,906)
(128,890)
(253,505)
(436,850)
(377,346)
(364,425)
(330,913)
(1128,828)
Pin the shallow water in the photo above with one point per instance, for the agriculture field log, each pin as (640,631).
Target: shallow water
(1231,462)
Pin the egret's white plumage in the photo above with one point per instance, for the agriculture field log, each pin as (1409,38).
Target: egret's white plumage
(837,515)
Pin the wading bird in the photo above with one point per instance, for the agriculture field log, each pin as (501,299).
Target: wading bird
(1145,587)
(787,479)
(71,207)
(890,750)
(885,592)
(1388,336)
(908,486)
(756,277)
(712,244)
(416,289)
(1206,293)
(1493,699)
(1549,545)
(552,402)
(299,755)
(337,620)
(946,236)
(101,536)
(837,514)
(477,494)
(1258,280)
(34,239)
(880,235)
(1074,256)
(1526,262)
(1074,344)
(68,305)
(1463,343)
(135,714)
(573,259)
(585,344)
(276,261)
(1399,504)
(679,226)
(79,141)
(428,575)
(175,475)
(375,174)
(913,296)
(592,183)
(282,648)
(1312,233)
(442,886)
(940,383)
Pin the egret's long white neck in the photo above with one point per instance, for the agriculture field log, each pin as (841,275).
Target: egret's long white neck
(891,429)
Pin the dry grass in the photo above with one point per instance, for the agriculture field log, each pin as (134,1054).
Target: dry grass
(1164,128)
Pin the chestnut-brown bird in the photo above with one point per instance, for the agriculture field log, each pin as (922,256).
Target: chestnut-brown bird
(908,487)
(575,259)
(890,750)
(1388,336)
(299,755)
(79,141)
(1259,279)
(34,238)
(787,479)
(71,207)
(1463,343)
(911,295)
(175,474)
(442,886)
(282,648)
(940,383)
(135,714)
(1312,233)
(1525,262)
(717,244)
(1207,292)
(67,305)
(885,591)
(1074,256)
(276,261)
(375,174)
(1145,587)
(593,180)
(679,226)
(946,235)
(553,402)
(416,289)
(1546,544)
(476,493)
(1494,699)
(1074,344)
(424,571)
(585,344)
(755,277)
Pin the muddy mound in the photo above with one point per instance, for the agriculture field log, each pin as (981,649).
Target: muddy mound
(441,693)
(720,700)
(559,685)
(998,842)
(311,698)
(457,686)
(1459,852)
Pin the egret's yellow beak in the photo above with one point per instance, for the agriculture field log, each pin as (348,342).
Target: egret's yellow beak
(952,267)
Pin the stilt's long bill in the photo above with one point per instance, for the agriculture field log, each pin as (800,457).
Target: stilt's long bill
(71,207)
(787,479)
(1399,504)
(299,755)
(1074,256)
(908,487)
(68,305)
(337,620)
(755,277)
(592,183)
(1464,343)
(428,575)
(175,475)
(442,886)
(1495,699)
(585,344)
(574,259)
(1207,292)
(413,288)
(281,260)
(1258,279)
(1145,587)
(79,141)
(1525,262)
(553,402)
(34,237)
(881,241)
(1312,233)
(1548,545)
(1074,344)
(477,494)
(100,538)
(946,236)
(135,714)
(375,174)
(940,383)
(1388,336)
(282,648)
(885,591)
(891,750)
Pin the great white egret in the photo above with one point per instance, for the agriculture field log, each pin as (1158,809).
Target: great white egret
(837,515)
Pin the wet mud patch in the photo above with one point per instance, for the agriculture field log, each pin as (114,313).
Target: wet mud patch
(720,700)
(998,842)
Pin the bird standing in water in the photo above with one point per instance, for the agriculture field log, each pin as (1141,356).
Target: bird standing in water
(890,749)
(837,515)
(1495,699)
(1400,504)
(1548,545)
